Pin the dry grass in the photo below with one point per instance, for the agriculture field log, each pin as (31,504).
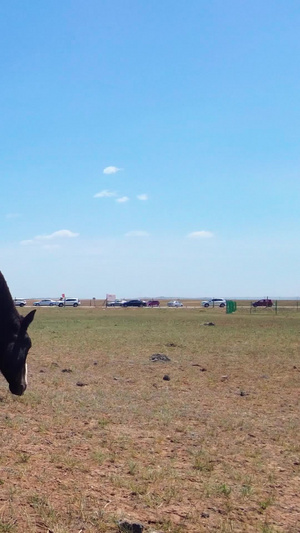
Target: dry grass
(100,435)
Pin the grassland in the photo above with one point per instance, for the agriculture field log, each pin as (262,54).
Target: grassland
(100,435)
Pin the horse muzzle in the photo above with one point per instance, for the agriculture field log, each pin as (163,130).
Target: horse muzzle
(17,389)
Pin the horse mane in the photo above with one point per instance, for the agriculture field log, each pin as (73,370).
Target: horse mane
(8,312)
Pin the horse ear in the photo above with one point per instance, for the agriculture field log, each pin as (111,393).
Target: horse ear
(27,320)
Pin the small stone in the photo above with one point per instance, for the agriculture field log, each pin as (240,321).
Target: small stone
(81,384)
(224,378)
(67,370)
(205,515)
(166,377)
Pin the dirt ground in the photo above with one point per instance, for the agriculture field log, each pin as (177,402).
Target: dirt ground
(208,441)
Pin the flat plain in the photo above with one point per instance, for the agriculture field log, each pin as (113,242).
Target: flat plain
(206,442)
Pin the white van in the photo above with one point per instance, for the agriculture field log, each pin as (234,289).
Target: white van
(75,302)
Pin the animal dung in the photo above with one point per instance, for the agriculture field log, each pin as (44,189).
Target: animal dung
(130,527)
(166,377)
(159,357)
(202,368)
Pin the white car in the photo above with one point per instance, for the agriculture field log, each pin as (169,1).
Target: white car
(175,303)
(20,302)
(74,302)
(46,301)
(214,302)
(115,303)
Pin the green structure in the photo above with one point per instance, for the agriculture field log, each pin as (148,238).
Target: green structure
(230,306)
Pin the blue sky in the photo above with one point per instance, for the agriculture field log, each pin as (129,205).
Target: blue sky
(150,148)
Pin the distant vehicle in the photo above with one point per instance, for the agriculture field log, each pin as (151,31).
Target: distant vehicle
(115,303)
(47,301)
(266,302)
(153,303)
(175,303)
(20,302)
(134,303)
(75,302)
(214,302)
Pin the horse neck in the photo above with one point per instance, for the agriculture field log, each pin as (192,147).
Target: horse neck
(9,316)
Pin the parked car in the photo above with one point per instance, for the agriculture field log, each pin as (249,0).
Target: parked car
(20,302)
(134,303)
(75,302)
(153,303)
(115,303)
(175,303)
(265,302)
(214,302)
(46,301)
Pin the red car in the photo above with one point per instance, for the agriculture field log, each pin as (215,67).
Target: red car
(153,303)
(263,303)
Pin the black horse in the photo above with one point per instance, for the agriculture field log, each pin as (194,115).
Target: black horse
(14,341)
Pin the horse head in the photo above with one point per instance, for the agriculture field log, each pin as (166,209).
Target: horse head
(15,342)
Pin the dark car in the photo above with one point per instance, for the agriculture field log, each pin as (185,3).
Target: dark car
(153,303)
(134,303)
(265,302)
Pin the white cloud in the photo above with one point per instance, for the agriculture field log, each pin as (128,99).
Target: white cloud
(105,194)
(137,233)
(142,197)
(60,234)
(111,170)
(122,200)
(27,242)
(200,235)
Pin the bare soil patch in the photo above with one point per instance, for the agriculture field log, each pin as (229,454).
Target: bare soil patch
(101,436)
